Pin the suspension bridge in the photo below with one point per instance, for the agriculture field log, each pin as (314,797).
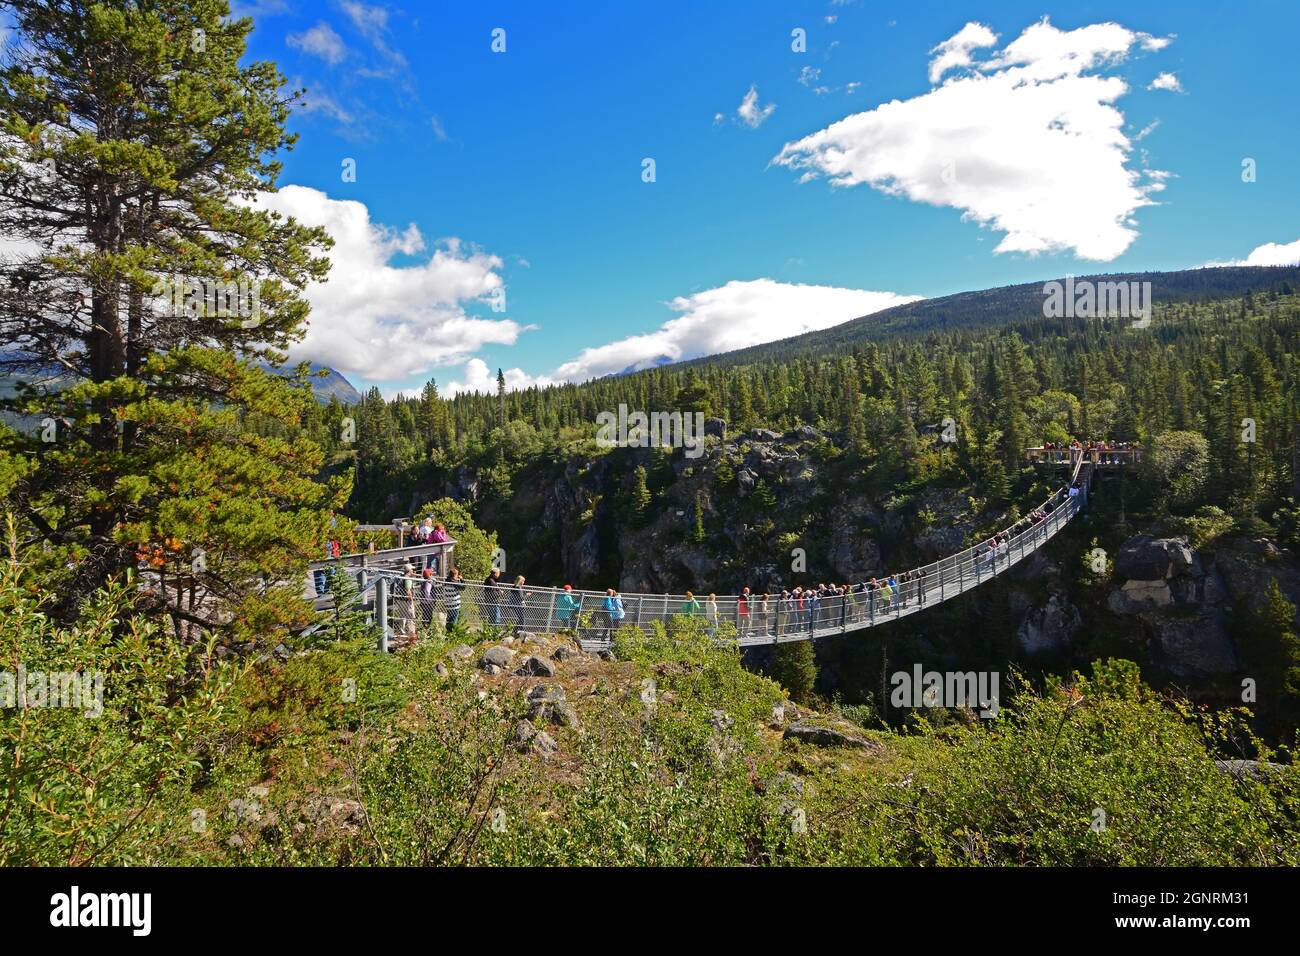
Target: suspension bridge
(403,604)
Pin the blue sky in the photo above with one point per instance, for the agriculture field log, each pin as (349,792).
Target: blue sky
(515,178)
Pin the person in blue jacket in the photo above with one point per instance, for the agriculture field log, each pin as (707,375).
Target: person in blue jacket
(566,609)
(614,612)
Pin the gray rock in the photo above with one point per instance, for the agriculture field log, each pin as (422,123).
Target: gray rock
(1192,646)
(545,744)
(441,669)
(1247,769)
(763,434)
(1145,558)
(524,734)
(715,427)
(721,720)
(548,703)
(563,652)
(491,670)
(462,652)
(745,481)
(1051,627)
(536,667)
(500,656)
(1137,596)
(807,432)
(826,736)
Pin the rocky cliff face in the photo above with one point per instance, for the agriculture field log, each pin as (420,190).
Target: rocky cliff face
(767,510)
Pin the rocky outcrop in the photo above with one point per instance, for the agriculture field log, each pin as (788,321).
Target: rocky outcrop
(1181,600)
(1051,627)
(822,736)
(1146,558)
(1192,645)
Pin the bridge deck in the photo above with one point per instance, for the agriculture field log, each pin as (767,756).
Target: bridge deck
(404,606)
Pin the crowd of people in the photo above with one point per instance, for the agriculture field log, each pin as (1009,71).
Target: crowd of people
(1097,452)
(423,595)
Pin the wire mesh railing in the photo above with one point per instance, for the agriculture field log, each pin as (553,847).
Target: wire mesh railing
(407,607)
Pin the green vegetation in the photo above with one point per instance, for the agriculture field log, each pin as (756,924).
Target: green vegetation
(342,756)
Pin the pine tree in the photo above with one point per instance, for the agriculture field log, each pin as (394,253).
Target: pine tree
(794,667)
(170,284)
(639,498)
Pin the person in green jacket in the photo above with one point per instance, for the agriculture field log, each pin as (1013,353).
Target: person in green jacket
(691,607)
(566,608)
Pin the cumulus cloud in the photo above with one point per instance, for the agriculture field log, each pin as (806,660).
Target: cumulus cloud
(733,316)
(480,377)
(1269,254)
(382,320)
(321,41)
(1166,81)
(1027,142)
(750,113)
(956,50)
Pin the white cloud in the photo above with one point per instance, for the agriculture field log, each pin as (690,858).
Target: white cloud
(318,101)
(479,377)
(1166,81)
(1269,254)
(718,119)
(733,316)
(1147,130)
(1028,143)
(809,75)
(321,41)
(372,23)
(439,130)
(383,321)
(956,50)
(750,113)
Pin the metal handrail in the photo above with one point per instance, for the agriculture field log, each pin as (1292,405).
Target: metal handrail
(412,604)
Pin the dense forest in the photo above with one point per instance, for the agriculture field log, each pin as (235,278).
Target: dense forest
(1205,368)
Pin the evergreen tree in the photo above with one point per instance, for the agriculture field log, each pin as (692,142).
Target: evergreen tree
(156,283)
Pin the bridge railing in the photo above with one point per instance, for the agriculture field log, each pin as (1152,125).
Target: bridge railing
(1103,457)
(408,607)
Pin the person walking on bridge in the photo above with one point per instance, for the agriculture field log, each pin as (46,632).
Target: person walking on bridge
(566,609)
(451,591)
(517,602)
(614,612)
(711,613)
(492,596)
(690,607)
(742,612)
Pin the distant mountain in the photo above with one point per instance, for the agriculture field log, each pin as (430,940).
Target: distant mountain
(331,385)
(1005,305)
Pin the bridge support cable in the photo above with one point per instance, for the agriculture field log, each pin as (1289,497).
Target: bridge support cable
(406,608)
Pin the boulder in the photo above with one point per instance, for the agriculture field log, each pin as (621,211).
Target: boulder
(1051,627)
(1146,558)
(745,481)
(462,652)
(826,736)
(563,652)
(536,667)
(1196,645)
(498,656)
(715,427)
(1134,597)
(764,434)
(548,703)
